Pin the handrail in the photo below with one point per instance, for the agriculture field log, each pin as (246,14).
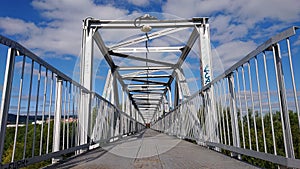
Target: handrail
(56,127)
(281,36)
(24,51)
(225,107)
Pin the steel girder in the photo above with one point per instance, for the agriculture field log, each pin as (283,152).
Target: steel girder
(145,85)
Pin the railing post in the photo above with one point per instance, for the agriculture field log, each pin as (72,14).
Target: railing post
(206,76)
(170,99)
(233,114)
(114,101)
(176,93)
(86,79)
(205,53)
(284,108)
(57,118)
(6,95)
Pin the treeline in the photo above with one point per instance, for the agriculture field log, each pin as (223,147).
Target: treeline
(34,139)
(20,144)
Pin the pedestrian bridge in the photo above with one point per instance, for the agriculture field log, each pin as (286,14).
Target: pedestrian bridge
(148,113)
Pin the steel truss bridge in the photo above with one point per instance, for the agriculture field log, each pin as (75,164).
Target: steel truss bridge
(245,112)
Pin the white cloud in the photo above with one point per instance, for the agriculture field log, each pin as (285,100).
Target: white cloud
(139,2)
(238,26)
(235,24)
(18,27)
(234,19)
(61,32)
(229,53)
(287,11)
(254,10)
(224,31)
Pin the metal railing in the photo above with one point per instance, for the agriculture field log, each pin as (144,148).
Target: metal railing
(39,113)
(252,109)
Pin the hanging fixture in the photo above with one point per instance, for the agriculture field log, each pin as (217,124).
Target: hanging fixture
(144,28)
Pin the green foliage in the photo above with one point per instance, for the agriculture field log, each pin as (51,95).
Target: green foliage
(30,142)
(278,134)
(20,144)
(266,120)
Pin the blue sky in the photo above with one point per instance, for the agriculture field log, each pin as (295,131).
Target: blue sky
(52,28)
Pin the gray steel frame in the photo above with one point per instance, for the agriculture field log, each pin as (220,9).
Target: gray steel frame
(121,49)
(68,98)
(231,98)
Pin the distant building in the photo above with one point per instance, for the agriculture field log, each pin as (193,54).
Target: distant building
(14,125)
(38,122)
(70,120)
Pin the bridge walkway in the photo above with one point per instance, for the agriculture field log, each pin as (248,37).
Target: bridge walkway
(151,149)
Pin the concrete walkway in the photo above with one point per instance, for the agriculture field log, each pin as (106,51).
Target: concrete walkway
(152,149)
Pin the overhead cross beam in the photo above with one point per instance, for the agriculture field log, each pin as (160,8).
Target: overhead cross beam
(146,76)
(145,38)
(149,49)
(126,68)
(147,81)
(122,55)
(129,24)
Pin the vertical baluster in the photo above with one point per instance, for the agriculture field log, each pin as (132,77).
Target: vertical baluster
(246,104)
(241,109)
(64,104)
(73,116)
(49,113)
(68,115)
(28,110)
(222,112)
(226,113)
(218,112)
(43,111)
(36,110)
(252,103)
(293,80)
(18,109)
(234,118)
(269,103)
(260,104)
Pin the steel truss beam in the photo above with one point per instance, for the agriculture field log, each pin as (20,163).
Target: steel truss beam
(148,106)
(145,76)
(145,85)
(146,95)
(150,86)
(101,45)
(145,72)
(143,68)
(184,53)
(149,49)
(191,41)
(147,92)
(129,24)
(145,99)
(147,81)
(141,59)
(145,38)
